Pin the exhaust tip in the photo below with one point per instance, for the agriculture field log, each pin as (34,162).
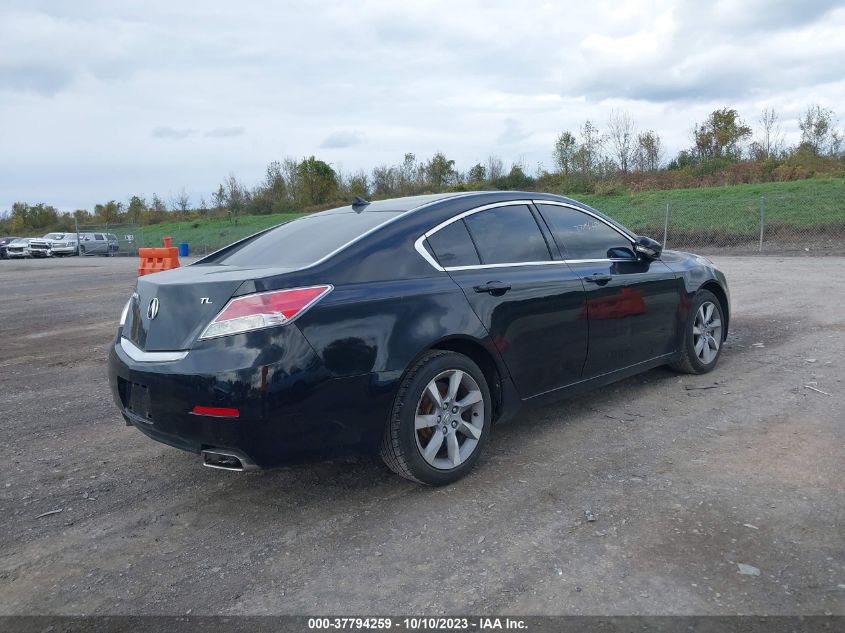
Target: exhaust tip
(222,461)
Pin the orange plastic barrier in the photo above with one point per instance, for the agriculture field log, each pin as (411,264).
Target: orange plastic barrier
(154,260)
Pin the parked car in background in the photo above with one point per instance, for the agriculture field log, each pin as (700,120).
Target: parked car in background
(18,248)
(5,241)
(40,248)
(98,244)
(58,244)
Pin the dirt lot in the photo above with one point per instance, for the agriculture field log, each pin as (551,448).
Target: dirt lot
(686,477)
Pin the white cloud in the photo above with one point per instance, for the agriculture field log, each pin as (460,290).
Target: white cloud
(102,100)
(342,138)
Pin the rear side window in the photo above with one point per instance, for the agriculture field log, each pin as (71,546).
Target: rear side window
(581,236)
(453,246)
(303,241)
(507,235)
(98,237)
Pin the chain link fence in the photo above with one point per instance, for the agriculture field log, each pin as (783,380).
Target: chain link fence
(202,236)
(106,239)
(778,224)
(714,221)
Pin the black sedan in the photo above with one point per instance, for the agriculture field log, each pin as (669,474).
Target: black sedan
(405,327)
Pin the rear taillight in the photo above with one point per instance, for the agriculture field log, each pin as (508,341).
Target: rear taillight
(263,310)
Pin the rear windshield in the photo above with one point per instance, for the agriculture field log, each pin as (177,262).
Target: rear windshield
(303,241)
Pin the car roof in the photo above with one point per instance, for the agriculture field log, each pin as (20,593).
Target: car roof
(395,205)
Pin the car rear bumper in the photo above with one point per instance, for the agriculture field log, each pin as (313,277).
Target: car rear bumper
(289,409)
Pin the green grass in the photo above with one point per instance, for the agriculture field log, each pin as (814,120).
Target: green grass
(206,235)
(798,204)
(717,214)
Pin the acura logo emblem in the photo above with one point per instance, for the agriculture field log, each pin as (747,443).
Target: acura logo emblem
(152,311)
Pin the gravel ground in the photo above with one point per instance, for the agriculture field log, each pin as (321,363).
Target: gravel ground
(715,494)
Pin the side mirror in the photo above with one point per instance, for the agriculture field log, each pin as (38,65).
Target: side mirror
(648,248)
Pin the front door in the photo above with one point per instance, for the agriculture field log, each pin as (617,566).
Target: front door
(632,304)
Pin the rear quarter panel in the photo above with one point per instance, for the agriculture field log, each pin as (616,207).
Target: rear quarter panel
(380,327)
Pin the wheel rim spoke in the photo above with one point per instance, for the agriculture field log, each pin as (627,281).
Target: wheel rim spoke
(425,421)
(433,446)
(714,344)
(453,449)
(469,430)
(470,399)
(434,393)
(454,384)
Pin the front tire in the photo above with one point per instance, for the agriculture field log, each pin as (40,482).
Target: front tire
(702,344)
(441,420)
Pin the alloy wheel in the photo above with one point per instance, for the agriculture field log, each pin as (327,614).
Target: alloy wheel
(449,419)
(707,332)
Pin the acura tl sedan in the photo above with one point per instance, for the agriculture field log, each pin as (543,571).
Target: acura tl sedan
(406,328)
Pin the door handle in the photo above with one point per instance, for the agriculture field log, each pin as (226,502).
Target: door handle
(495,288)
(598,278)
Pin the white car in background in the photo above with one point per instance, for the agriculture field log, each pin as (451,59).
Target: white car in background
(58,244)
(19,249)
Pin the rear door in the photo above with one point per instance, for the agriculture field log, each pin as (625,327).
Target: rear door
(632,303)
(530,302)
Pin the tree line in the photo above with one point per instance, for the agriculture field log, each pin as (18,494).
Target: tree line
(723,149)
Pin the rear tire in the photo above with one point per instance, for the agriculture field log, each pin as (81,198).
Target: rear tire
(441,420)
(702,344)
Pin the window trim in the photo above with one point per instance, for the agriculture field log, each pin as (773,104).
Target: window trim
(420,247)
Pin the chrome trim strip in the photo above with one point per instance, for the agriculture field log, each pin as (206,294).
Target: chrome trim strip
(543,263)
(140,356)
(423,251)
(461,216)
(550,262)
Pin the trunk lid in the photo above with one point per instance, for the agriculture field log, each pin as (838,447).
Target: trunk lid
(187,299)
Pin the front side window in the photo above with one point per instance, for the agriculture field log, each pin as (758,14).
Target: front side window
(582,236)
(453,246)
(507,235)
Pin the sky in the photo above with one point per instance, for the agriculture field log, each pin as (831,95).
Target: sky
(102,100)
